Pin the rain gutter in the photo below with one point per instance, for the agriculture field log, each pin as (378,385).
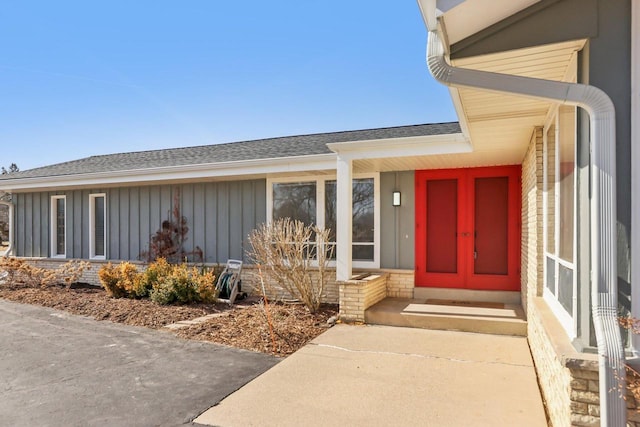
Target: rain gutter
(603,254)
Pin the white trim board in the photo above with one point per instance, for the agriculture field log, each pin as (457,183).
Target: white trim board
(635,167)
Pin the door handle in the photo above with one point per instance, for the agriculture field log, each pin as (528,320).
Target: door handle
(475,254)
(465,234)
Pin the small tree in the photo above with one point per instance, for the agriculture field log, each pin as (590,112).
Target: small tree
(168,241)
(290,252)
(12,168)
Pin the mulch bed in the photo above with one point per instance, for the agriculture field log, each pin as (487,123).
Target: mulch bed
(243,325)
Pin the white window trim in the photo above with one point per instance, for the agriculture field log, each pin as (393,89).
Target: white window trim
(320,196)
(569,321)
(635,168)
(54,227)
(92,226)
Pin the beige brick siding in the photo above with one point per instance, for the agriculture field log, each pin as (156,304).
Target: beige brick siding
(568,379)
(400,283)
(358,295)
(532,225)
(252,285)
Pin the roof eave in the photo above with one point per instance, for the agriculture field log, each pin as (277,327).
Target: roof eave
(206,171)
(402,147)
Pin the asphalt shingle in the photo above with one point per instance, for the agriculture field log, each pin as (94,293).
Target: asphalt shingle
(271,148)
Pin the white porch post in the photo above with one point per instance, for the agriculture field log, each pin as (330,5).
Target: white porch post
(344,218)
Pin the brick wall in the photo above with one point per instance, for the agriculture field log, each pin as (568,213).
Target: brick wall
(532,225)
(358,295)
(400,283)
(568,379)
(252,285)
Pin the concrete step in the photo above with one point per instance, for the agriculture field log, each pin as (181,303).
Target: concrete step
(507,297)
(416,313)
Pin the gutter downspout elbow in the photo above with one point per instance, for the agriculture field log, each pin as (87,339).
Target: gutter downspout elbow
(603,256)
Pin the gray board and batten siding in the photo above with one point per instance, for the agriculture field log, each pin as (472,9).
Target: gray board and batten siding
(397,223)
(219,215)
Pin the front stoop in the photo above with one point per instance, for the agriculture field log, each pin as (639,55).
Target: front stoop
(415,313)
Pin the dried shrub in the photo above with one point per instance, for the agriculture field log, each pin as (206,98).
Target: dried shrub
(20,272)
(633,376)
(70,272)
(168,241)
(290,252)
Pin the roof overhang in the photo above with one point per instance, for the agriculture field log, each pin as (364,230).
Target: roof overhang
(500,126)
(462,19)
(377,155)
(245,169)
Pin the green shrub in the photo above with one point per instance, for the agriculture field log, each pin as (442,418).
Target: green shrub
(183,285)
(164,283)
(154,272)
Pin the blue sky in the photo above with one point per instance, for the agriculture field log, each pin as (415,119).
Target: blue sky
(85,78)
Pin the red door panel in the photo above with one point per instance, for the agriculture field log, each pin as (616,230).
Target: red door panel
(491,230)
(442,228)
(438,240)
(468,228)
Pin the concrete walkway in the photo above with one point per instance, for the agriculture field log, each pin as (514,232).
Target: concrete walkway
(391,376)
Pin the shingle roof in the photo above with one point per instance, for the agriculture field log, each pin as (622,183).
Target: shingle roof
(271,148)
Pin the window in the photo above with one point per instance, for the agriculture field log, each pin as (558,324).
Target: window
(559,215)
(6,225)
(313,201)
(97,225)
(58,226)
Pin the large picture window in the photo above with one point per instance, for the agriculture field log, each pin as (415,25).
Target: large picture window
(97,225)
(58,227)
(313,201)
(559,215)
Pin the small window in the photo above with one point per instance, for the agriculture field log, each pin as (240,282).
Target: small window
(98,236)
(58,226)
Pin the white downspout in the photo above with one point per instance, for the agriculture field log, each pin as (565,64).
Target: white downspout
(10,248)
(604,289)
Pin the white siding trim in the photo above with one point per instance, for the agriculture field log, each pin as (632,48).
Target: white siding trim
(635,168)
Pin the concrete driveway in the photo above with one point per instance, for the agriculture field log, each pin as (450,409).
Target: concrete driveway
(58,369)
(390,376)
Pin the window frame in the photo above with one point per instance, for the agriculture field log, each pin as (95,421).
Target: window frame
(320,181)
(54,226)
(92,226)
(569,321)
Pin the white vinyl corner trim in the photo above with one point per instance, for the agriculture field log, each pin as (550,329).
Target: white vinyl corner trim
(10,248)
(604,288)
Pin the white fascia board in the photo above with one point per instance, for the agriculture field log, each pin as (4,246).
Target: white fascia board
(176,173)
(402,147)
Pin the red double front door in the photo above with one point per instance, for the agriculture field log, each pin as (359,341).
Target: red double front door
(468,228)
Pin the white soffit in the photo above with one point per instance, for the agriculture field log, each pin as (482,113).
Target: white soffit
(502,123)
(472,16)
